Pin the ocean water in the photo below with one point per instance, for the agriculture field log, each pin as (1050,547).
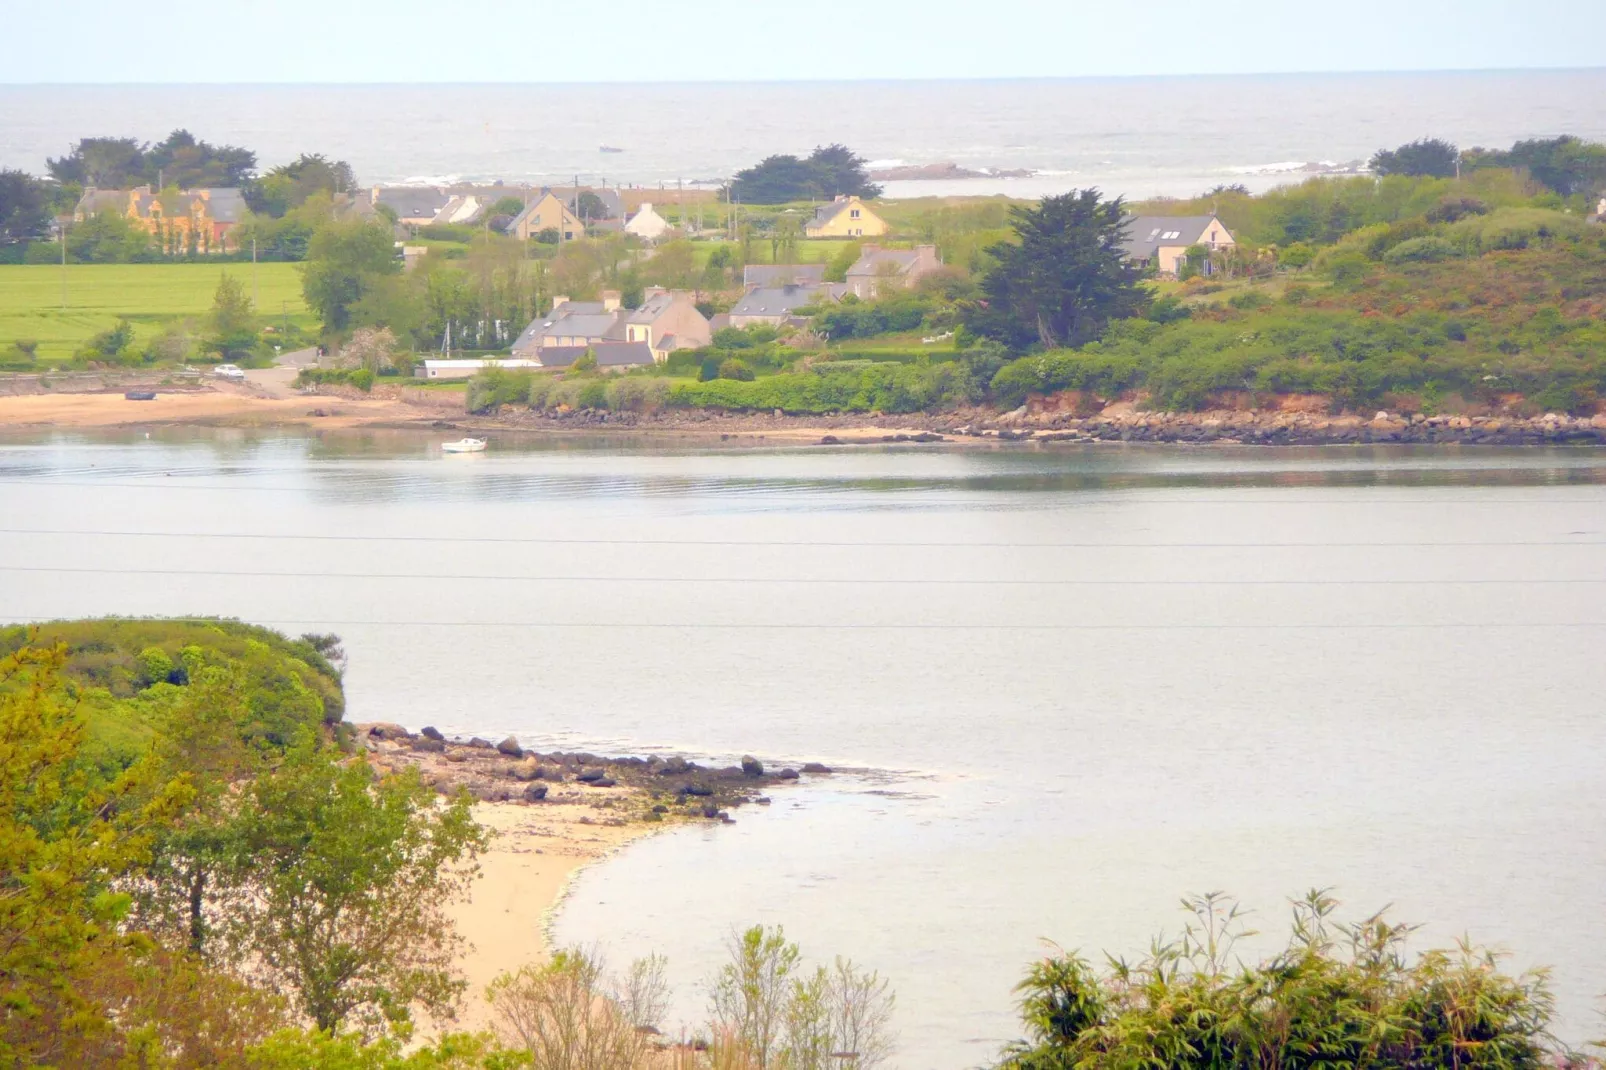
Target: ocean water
(1063,689)
(1135,136)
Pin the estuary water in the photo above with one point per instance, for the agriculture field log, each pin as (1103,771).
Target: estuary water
(1140,137)
(1062,689)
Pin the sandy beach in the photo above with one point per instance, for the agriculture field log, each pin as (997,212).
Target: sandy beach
(535,852)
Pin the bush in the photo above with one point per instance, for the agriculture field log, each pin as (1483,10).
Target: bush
(637,394)
(869,387)
(495,387)
(1421,250)
(736,369)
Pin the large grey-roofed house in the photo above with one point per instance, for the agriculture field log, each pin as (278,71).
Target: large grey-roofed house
(415,206)
(769,275)
(666,321)
(1161,241)
(877,266)
(774,305)
(607,354)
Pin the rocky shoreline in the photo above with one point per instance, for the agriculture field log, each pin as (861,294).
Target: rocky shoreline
(1041,423)
(650,789)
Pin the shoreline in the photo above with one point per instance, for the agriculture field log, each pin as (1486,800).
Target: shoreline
(1041,422)
(551,817)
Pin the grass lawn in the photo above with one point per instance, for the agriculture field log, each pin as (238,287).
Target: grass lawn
(149,295)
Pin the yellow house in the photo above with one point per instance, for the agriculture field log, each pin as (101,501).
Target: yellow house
(546,212)
(198,220)
(1162,242)
(845,217)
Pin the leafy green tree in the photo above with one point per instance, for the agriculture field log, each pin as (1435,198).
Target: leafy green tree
(1063,279)
(344,259)
(24,207)
(842,171)
(826,173)
(589,207)
(232,323)
(1567,165)
(108,238)
(751,992)
(340,884)
(1428,157)
(291,185)
(187,163)
(110,345)
(1337,996)
(107,162)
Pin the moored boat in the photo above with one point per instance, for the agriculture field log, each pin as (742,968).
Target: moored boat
(465,445)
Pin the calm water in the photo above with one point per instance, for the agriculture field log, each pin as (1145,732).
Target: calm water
(1074,686)
(1137,136)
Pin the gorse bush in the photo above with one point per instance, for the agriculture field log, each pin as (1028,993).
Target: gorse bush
(1338,996)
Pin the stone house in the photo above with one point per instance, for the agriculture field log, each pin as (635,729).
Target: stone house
(1161,242)
(666,321)
(877,268)
(179,220)
(845,217)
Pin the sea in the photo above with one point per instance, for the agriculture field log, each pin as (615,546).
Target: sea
(1138,137)
(1061,688)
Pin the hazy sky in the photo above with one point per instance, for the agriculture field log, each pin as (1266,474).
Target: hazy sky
(702,40)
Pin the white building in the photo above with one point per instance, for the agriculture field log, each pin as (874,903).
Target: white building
(648,225)
(465,369)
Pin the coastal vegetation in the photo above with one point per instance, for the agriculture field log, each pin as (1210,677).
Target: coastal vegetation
(827,172)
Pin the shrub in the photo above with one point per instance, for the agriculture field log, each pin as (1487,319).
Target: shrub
(637,394)
(593,395)
(495,387)
(1421,250)
(736,369)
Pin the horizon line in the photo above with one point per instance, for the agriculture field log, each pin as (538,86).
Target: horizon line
(908,80)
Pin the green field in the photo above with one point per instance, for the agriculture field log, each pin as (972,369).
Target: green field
(149,295)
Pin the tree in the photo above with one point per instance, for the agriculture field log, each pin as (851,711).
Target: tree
(108,238)
(589,207)
(1566,165)
(1427,158)
(24,207)
(344,258)
(567,1015)
(291,185)
(1337,996)
(181,160)
(1063,279)
(828,172)
(369,348)
(232,322)
(107,162)
(752,991)
(339,884)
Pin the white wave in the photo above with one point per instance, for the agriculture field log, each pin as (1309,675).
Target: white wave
(882,165)
(429,180)
(1290,167)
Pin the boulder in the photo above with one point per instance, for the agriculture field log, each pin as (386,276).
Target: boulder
(591,776)
(816,767)
(602,782)
(480,744)
(660,808)
(676,766)
(529,769)
(456,756)
(386,730)
(701,791)
(431,746)
(787,774)
(751,766)
(535,793)
(429,732)
(510,747)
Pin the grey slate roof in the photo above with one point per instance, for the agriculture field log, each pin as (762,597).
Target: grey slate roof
(651,308)
(225,205)
(871,262)
(412,202)
(778,300)
(780,274)
(1147,233)
(608,354)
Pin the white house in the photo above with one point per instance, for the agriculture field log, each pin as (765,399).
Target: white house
(465,369)
(647,224)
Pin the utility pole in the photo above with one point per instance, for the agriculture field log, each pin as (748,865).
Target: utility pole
(63,228)
(256,289)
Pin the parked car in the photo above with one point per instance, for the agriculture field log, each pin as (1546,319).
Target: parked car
(229,371)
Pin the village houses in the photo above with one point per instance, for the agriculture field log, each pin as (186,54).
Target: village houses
(878,268)
(202,220)
(845,217)
(1162,242)
(666,321)
(546,213)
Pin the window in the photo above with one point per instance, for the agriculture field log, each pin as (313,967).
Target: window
(854,214)
(1171,235)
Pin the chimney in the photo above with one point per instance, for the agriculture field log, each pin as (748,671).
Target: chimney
(610,300)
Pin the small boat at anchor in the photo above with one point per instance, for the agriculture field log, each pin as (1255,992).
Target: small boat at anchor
(464,445)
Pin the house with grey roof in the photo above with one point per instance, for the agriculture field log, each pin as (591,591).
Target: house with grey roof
(415,206)
(775,305)
(1161,242)
(770,275)
(607,354)
(196,220)
(666,321)
(878,268)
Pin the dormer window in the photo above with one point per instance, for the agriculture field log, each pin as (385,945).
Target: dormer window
(854,214)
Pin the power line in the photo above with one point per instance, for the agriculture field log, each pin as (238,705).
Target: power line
(947,581)
(832,543)
(936,627)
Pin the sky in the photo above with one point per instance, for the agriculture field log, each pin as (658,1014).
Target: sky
(366,41)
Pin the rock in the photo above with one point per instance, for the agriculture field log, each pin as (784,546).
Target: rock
(429,732)
(711,811)
(456,756)
(751,766)
(602,782)
(428,745)
(529,769)
(830,440)
(591,776)
(787,774)
(480,744)
(510,747)
(386,730)
(702,791)
(676,766)
(660,808)
(816,767)
(535,793)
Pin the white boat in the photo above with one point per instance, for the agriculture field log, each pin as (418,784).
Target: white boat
(465,445)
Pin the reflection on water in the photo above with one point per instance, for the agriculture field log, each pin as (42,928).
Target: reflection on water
(1089,680)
